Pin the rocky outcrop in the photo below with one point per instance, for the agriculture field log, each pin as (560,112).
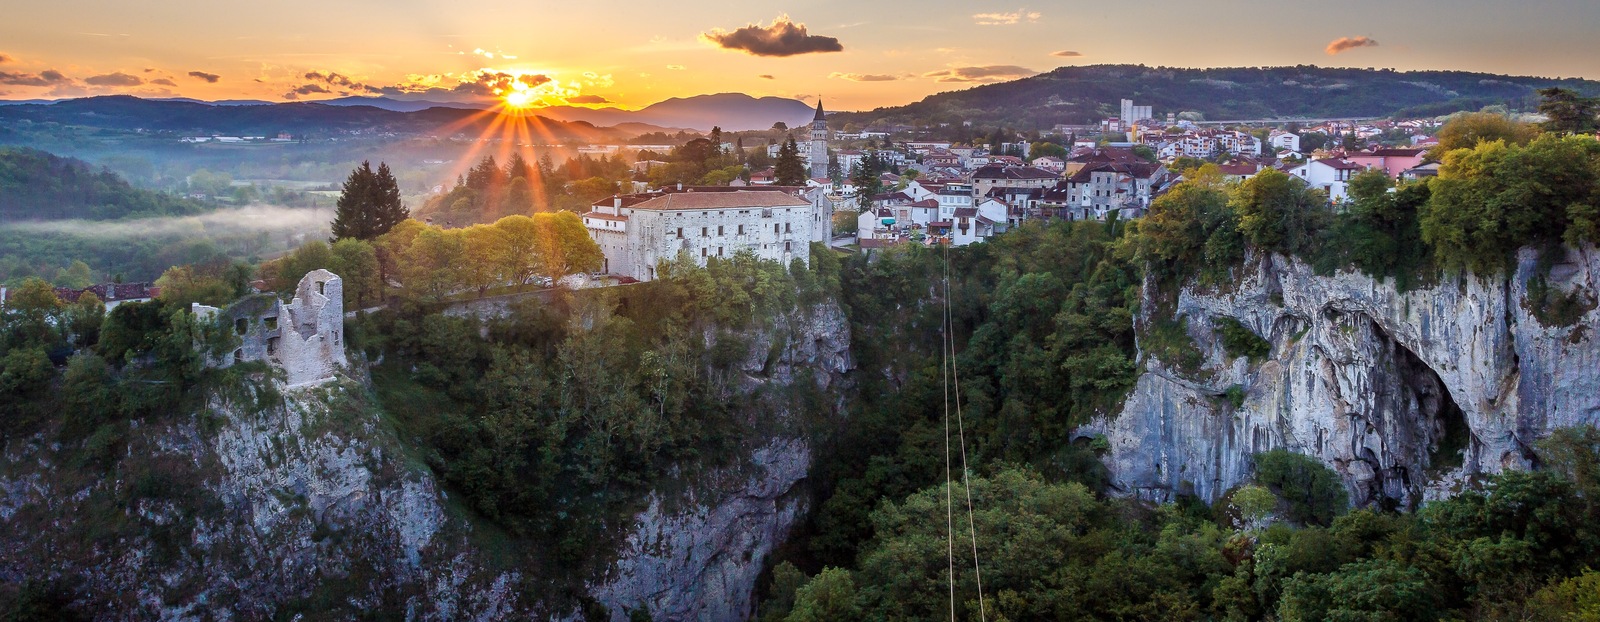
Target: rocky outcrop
(696,554)
(1407,395)
(246,512)
(258,507)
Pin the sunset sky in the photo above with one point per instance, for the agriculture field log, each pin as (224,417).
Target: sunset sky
(855,54)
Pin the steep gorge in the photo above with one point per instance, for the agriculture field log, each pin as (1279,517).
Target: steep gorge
(265,505)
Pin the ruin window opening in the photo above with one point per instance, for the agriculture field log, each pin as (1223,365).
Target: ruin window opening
(241,325)
(322,287)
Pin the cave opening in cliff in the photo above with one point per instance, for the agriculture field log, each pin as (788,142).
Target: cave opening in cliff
(1444,424)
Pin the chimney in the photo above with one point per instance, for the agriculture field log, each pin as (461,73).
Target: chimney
(616,201)
(680,186)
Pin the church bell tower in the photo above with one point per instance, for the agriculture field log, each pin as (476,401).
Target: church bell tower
(819,144)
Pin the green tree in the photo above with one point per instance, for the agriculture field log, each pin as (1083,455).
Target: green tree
(430,267)
(31,314)
(790,170)
(1567,111)
(829,596)
(565,246)
(183,285)
(369,205)
(1277,213)
(1468,129)
(1313,491)
(356,263)
(1490,200)
(1370,590)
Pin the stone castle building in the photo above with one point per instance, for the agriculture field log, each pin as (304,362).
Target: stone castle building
(637,233)
(304,338)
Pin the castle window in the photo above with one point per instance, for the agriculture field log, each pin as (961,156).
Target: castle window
(238,355)
(322,287)
(271,323)
(719,229)
(272,346)
(241,325)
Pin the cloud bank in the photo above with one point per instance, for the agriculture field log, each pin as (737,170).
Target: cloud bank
(208,77)
(863,77)
(985,73)
(1005,19)
(114,79)
(1067,54)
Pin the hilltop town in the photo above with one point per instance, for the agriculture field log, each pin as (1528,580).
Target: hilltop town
(890,188)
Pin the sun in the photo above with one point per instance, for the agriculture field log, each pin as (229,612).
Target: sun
(517,98)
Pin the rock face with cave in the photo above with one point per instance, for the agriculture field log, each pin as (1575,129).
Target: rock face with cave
(1407,395)
(304,338)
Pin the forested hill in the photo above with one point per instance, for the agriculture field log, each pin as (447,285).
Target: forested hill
(1086,94)
(125,112)
(35,185)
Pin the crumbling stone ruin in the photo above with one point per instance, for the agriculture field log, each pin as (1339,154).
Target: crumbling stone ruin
(304,338)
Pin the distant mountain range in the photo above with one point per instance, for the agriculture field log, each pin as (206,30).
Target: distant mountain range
(1078,95)
(730,111)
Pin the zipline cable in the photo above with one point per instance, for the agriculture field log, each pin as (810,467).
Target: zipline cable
(961,431)
(949,503)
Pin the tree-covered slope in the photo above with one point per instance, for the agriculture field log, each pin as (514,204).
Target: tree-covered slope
(1087,94)
(35,185)
(125,112)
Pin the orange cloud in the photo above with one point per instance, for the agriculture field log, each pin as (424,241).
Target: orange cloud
(863,77)
(1349,43)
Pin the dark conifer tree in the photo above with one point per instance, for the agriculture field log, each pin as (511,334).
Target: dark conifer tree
(790,170)
(369,205)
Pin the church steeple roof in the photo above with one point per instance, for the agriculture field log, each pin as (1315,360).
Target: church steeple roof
(819,116)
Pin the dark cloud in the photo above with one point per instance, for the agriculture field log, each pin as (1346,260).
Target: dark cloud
(1067,54)
(164,82)
(48,77)
(766,76)
(208,77)
(493,83)
(864,77)
(149,69)
(332,79)
(782,38)
(587,99)
(1349,43)
(114,79)
(306,89)
(6,59)
(985,73)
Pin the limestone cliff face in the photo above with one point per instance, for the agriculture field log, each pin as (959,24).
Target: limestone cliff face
(696,554)
(253,509)
(1406,395)
(242,512)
